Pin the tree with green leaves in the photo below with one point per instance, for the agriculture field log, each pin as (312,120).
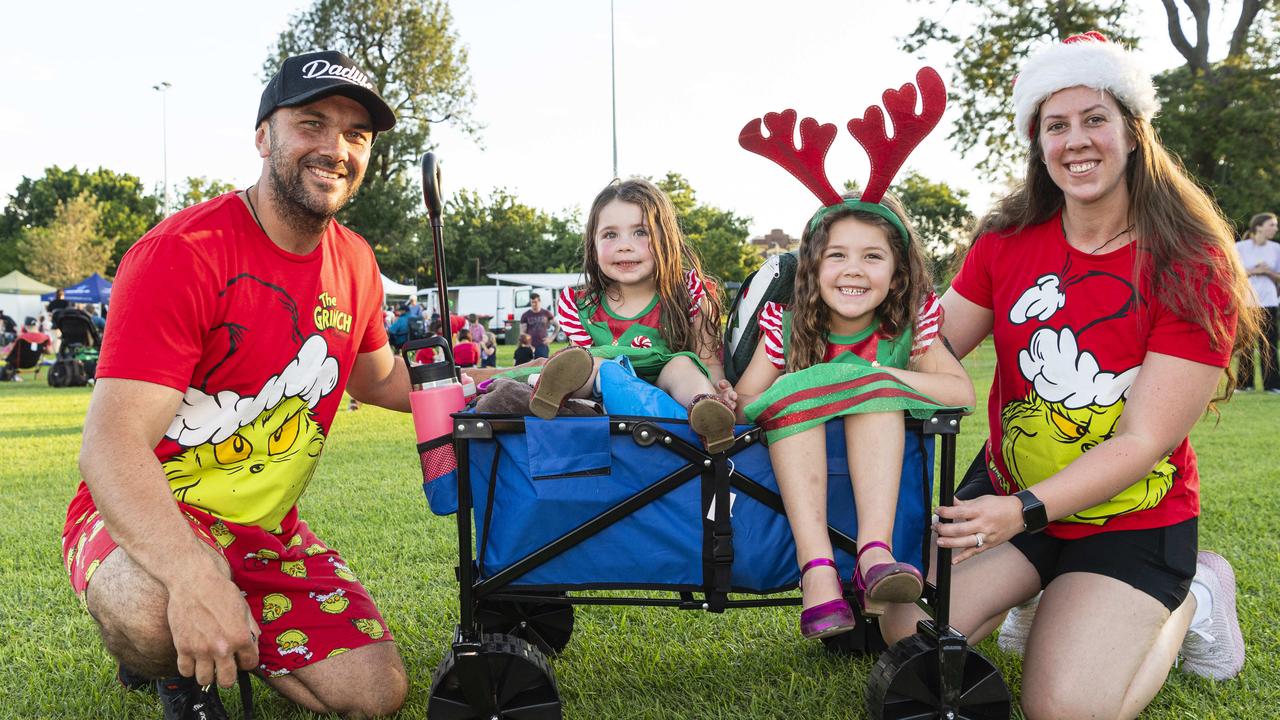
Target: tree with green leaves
(987,55)
(1219,116)
(125,211)
(419,65)
(1222,117)
(498,233)
(720,237)
(940,215)
(942,219)
(69,248)
(195,190)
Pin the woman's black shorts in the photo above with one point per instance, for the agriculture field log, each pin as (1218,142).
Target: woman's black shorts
(1160,561)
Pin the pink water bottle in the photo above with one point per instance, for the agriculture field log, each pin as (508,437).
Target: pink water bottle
(435,394)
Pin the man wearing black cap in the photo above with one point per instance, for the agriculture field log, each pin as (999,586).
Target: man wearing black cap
(236,326)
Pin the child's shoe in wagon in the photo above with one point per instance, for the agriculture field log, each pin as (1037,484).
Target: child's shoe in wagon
(713,420)
(565,372)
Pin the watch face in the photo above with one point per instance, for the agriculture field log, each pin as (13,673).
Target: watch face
(1034,517)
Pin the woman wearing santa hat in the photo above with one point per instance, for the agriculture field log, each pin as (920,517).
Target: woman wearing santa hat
(1114,299)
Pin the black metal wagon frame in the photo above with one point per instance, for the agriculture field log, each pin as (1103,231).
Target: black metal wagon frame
(497,665)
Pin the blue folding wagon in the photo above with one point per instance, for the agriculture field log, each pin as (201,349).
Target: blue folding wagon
(623,504)
(629,503)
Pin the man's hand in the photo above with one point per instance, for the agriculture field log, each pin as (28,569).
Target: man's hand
(213,631)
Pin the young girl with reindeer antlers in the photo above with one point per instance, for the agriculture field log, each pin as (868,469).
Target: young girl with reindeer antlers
(645,299)
(856,342)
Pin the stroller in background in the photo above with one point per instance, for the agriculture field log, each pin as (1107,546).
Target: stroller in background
(77,360)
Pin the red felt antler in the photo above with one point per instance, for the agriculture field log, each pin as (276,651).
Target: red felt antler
(909,128)
(805,162)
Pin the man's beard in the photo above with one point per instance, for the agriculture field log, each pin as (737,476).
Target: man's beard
(301,210)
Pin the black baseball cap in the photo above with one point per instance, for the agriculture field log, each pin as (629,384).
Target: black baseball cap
(308,77)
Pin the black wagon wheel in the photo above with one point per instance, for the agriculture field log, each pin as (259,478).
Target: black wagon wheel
(500,678)
(906,684)
(546,625)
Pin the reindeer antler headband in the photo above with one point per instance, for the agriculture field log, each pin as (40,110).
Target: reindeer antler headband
(807,162)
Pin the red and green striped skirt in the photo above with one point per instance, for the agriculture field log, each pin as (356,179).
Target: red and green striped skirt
(808,398)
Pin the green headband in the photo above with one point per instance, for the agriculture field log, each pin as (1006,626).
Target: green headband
(873,208)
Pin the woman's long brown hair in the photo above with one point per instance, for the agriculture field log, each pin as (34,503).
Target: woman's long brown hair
(1176,224)
(672,259)
(810,316)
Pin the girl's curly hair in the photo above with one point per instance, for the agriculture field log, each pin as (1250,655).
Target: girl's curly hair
(810,316)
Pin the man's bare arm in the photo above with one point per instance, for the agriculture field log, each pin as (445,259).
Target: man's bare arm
(209,619)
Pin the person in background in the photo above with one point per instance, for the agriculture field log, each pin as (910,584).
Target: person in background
(31,334)
(465,352)
(1260,255)
(476,328)
(489,351)
(539,324)
(59,302)
(45,325)
(412,306)
(8,328)
(524,352)
(398,330)
(97,320)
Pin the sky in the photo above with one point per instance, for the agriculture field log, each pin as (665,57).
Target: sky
(689,75)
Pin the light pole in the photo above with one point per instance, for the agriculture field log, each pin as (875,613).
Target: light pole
(162,88)
(613,84)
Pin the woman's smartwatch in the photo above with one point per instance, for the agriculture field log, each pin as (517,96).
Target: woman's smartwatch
(1034,518)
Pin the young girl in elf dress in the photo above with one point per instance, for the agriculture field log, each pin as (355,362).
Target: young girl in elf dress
(858,343)
(646,299)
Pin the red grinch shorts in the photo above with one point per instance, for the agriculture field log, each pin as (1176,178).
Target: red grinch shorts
(308,603)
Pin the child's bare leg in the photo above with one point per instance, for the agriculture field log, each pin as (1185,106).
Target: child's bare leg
(800,464)
(588,388)
(683,380)
(874,442)
(713,420)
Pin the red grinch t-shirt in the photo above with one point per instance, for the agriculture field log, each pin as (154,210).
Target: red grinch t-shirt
(259,340)
(1071,331)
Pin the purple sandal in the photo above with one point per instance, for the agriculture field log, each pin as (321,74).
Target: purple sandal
(829,618)
(890,582)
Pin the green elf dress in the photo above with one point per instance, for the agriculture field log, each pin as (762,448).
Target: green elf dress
(848,381)
(591,324)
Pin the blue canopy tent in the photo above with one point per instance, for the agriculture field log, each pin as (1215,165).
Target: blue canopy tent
(93,289)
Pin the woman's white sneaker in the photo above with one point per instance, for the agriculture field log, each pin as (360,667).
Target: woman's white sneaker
(1214,648)
(1016,627)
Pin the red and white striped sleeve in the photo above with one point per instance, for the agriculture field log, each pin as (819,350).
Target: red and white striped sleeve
(697,291)
(770,322)
(928,324)
(569,321)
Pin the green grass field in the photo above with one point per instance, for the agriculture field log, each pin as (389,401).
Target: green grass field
(367,501)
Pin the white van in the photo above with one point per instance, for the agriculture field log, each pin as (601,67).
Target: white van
(499,307)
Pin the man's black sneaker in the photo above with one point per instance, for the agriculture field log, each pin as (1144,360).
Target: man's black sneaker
(184,699)
(132,680)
